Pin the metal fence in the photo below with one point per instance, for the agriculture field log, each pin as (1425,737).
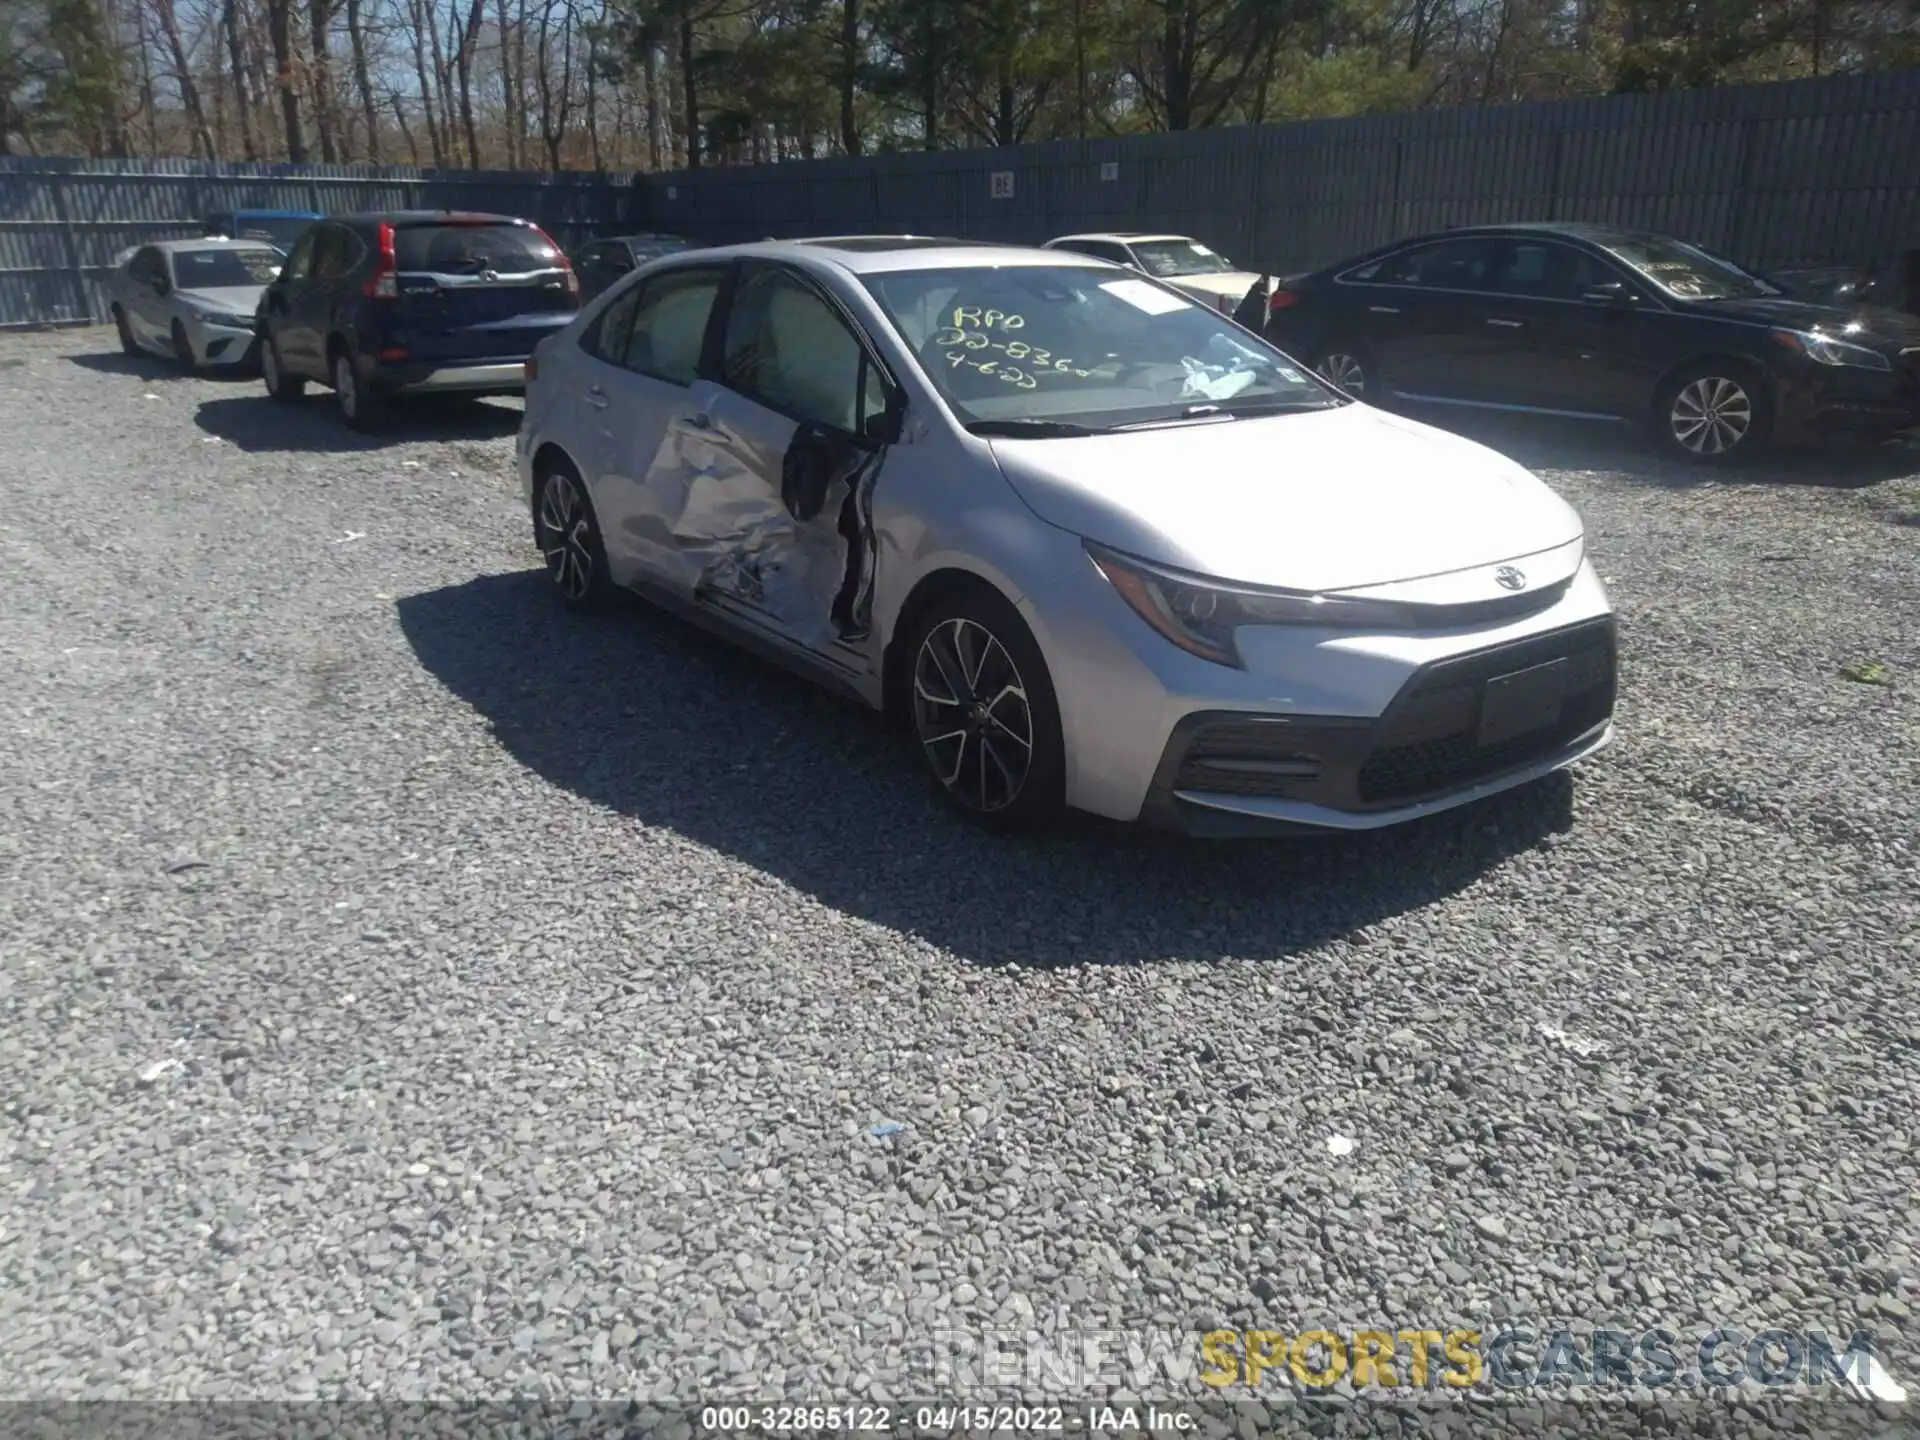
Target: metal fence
(1806,172)
(1801,172)
(63,221)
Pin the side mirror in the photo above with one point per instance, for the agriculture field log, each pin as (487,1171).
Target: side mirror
(160,285)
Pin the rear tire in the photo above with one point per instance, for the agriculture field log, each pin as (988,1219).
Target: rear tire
(1713,413)
(567,533)
(1349,365)
(364,407)
(285,388)
(983,712)
(128,345)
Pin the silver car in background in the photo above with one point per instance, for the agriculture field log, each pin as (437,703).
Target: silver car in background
(192,301)
(1093,543)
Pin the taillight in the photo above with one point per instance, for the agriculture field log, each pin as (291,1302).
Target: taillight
(384,282)
(572,280)
(530,371)
(1281,300)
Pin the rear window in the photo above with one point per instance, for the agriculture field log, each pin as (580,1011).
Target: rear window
(472,249)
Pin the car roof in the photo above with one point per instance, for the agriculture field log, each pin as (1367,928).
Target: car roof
(877,254)
(1568,229)
(1128,236)
(207,242)
(428,217)
(270,214)
(645,236)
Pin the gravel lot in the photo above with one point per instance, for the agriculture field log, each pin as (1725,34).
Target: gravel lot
(409,989)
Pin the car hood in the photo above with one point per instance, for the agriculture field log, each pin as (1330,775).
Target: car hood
(1323,500)
(226,299)
(1874,323)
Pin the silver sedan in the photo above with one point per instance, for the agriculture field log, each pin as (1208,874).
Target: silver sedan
(192,301)
(1091,542)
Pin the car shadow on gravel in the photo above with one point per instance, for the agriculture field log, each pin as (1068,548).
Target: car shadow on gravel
(1545,444)
(152,367)
(656,721)
(257,424)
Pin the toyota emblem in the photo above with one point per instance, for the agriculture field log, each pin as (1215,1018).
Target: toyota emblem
(1509,578)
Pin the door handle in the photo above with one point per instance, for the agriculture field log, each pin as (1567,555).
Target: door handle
(597,398)
(1505,324)
(697,420)
(1384,309)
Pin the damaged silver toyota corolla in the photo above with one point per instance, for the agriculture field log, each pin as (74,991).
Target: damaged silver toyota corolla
(1094,544)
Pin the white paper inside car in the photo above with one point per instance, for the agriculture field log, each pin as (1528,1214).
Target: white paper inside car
(1148,298)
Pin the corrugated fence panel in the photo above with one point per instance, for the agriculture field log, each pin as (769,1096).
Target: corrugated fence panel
(1809,171)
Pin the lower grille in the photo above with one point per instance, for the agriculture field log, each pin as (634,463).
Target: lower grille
(1430,741)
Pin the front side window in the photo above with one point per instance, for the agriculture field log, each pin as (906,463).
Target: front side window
(1098,249)
(1024,348)
(300,263)
(787,349)
(146,266)
(331,253)
(670,326)
(212,269)
(1688,272)
(1166,259)
(1547,270)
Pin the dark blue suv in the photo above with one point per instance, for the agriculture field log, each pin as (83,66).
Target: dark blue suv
(440,301)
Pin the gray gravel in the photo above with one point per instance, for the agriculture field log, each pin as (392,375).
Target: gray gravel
(409,989)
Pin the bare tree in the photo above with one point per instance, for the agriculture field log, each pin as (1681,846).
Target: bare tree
(280,31)
(357,40)
(168,20)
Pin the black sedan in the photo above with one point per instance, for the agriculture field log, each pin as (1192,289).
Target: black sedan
(1595,323)
(604,261)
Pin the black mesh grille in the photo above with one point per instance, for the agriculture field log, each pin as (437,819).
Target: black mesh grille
(1431,740)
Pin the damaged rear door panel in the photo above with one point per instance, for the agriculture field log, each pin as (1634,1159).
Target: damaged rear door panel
(764,474)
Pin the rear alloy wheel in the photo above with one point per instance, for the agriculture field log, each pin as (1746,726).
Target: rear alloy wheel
(984,713)
(280,385)
(362,406)
(128,345)
(568,534)
(183,349)
(1712,415)
(1348,368)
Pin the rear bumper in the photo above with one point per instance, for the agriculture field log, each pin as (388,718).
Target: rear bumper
(493,377)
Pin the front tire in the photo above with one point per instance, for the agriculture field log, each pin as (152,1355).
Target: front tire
(984,713)
(568,534)
(128,345)
(183,349)
(1715,413)
(285,388)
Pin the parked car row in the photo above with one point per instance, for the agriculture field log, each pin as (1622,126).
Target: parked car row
(1584,322)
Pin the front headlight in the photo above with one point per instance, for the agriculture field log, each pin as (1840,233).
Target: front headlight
(1826,350)
(1200,616)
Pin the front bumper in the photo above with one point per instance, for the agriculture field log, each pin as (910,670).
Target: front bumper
(1230,774)
(1821,399)
(218,344)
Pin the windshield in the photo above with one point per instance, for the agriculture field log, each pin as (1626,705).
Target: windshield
(1687,272)
(280,232)
(214,269)
(1053,349)
(1167,258)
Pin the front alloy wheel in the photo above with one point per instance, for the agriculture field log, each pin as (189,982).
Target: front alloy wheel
(1711,416)
(971,712)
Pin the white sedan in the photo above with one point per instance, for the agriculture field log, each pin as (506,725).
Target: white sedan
(1092,543)
(192,300)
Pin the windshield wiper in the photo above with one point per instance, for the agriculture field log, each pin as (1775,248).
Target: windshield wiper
(1275,406)
(1032,429)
